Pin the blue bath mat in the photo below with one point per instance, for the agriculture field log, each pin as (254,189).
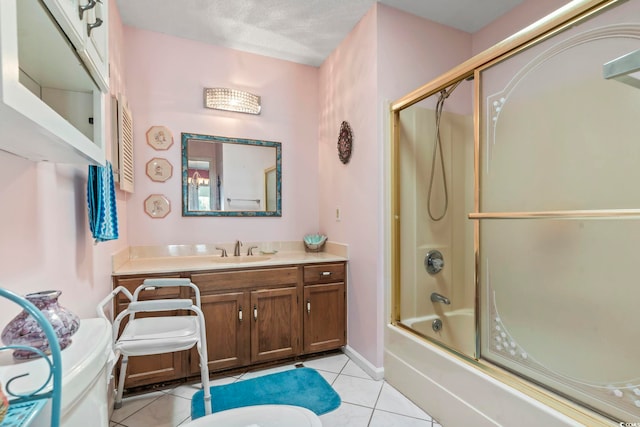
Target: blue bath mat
(298,387)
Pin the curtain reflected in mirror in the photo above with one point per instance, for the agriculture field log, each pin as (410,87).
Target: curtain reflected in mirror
(204,186)
(230,176)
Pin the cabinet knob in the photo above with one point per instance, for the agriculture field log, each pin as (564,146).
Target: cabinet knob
(255,312)
(240,314)
(308,307)
(325,274)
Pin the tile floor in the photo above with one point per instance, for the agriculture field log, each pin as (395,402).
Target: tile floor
(365,402)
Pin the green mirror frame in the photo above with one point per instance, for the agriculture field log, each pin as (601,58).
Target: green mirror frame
(271,205)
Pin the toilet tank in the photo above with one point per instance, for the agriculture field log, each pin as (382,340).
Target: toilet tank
(84,377)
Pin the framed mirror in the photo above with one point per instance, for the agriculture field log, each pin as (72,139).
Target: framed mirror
(230,176)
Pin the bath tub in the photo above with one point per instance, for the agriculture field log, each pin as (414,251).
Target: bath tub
(458,392)
(458,329)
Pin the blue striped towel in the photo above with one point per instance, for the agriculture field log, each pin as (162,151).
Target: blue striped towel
(101,198)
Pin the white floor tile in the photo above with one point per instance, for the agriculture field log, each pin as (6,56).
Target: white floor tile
(359,391)
(386,419)
(347,415)
(354,370)
(185,422)
(133,404)
(330,377)
(391,400)
(167,411)
(188,390)
(333,363)
(262,372)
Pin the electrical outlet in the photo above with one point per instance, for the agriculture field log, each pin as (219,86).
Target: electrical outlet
(338,217)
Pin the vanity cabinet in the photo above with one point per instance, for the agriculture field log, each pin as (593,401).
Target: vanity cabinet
(324,315)
(253,315)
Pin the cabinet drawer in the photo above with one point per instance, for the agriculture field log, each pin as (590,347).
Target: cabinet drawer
(324,273)
(224,280)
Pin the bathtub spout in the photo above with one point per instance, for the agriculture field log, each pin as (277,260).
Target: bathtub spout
(436,297)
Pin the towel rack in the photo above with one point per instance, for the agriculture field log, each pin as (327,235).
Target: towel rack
(25,406)
(230,200)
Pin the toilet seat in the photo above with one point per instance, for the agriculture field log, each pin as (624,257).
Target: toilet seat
(260,416)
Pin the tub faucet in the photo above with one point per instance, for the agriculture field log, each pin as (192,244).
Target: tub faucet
(436,297)
(236,250)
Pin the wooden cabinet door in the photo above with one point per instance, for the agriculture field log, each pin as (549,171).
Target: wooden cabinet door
(228,320)
(324,317)
(158,368)
(275,324)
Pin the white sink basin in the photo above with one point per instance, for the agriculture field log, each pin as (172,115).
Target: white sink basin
(240,259)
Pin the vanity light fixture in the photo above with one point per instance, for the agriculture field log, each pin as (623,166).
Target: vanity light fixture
(220,98)
(625,69)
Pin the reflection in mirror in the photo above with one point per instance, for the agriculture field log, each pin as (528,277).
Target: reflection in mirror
(230,177)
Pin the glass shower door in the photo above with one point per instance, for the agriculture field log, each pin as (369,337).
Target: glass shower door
(560,215)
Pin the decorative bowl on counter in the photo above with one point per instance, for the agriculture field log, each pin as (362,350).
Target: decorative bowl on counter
(314,242)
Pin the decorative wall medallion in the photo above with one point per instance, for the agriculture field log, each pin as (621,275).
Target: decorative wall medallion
(345,141)
(159,169)
(159,137)
(157,206)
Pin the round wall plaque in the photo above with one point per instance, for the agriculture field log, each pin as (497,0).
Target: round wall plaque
(345,142)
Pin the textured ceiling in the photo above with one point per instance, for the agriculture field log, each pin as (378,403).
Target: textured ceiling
(303,31)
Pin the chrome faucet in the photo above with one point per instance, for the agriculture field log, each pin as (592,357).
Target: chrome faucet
(224,251)
(236,250)
(436,297)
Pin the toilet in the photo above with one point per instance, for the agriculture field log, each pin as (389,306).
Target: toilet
(84,377)
(260,416)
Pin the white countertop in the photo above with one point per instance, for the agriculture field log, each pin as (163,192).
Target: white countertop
(158,261)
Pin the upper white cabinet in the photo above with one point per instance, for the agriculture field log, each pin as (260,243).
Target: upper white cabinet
(52,104)
(86,23)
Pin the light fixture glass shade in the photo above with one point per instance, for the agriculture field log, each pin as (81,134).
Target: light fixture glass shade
(220,98)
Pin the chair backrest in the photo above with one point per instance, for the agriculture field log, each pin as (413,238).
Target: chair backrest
(159,283)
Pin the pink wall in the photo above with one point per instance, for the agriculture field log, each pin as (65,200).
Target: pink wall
(165,77)
(513,21)
(348,88)
(387,54)
(413,51)
(45,240)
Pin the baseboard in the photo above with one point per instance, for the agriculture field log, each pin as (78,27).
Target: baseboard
(364,364)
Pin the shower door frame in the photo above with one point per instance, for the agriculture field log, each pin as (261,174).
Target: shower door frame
(545,28)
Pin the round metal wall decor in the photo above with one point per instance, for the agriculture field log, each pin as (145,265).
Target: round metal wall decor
(345,142)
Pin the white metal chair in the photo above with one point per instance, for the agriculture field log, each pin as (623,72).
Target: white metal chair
(157,335)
